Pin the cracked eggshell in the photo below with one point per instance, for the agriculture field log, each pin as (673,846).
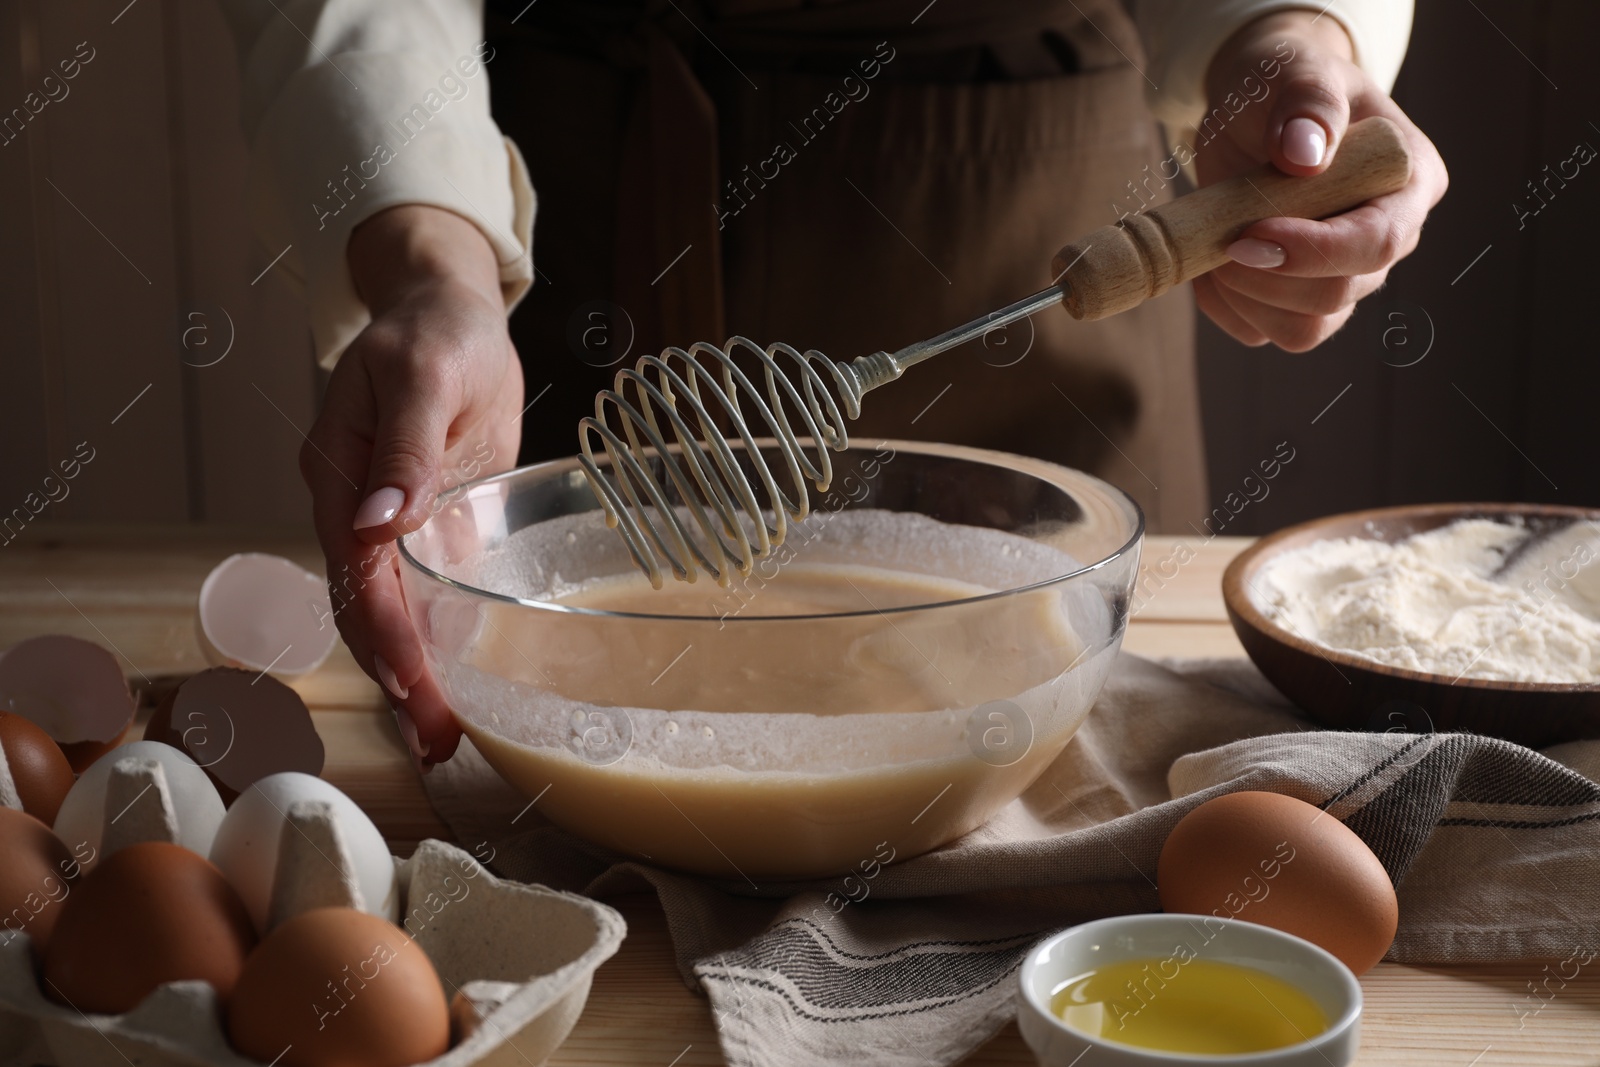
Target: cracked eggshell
(247,847)
(239,726)
(196,809)
(263,612)
(72,689)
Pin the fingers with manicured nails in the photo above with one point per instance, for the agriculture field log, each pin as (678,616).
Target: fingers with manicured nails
(387,629)
(1309,118)
(433,374)
(1303,142)
(407,449)
(371,613)
(380,507)
(1289,330)
(334,460)
(333,463)
(334,450)
(1295,282)
(364,589)
(1370,238)
(372,618)
(436,726)
(1217,310)
(1308,296)
(1254,252)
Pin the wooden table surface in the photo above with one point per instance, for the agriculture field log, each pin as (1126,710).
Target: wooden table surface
(134,590)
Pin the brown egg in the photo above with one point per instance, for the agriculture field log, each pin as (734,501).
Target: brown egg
(336,987)
(147,914)
(1274,860)
(34,877)
(39,770)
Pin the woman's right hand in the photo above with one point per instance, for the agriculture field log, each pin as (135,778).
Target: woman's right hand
(429,395)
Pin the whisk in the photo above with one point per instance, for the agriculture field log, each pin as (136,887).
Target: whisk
(719,523)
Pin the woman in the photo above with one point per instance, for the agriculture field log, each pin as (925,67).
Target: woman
(846,176)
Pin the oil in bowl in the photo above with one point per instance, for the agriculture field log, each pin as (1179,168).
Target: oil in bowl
(1198,1006)
(1157,990)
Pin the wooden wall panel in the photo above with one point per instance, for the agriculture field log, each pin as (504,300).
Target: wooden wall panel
(99,291)
(24,432)
(249,409)
(112,281)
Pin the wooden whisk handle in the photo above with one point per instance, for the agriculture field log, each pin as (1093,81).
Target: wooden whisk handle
(1120,266)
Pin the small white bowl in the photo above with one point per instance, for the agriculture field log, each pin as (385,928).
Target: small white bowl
(1108,941)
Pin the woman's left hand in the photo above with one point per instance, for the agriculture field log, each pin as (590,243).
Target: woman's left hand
(1294,282)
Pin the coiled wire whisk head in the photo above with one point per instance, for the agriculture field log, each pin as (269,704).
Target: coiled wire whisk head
(667,408)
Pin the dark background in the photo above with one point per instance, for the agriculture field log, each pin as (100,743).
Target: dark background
(1503,405)
(122,216)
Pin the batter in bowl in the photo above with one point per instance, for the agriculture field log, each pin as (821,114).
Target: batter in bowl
(798,728)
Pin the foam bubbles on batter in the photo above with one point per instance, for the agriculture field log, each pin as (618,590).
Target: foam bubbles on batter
(554,559)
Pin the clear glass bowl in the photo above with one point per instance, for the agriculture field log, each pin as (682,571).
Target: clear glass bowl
(964,609)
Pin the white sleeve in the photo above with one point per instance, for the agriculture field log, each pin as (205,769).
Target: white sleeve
(353,106)
(1181,36)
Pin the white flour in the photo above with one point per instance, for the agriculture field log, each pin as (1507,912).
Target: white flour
(1430,603)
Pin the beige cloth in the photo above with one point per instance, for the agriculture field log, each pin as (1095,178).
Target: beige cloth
(1491,847)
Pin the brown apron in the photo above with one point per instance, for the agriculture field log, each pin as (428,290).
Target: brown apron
(737,171)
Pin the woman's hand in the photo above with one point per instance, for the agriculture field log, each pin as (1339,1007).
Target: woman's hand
(426,397)
(1293,281)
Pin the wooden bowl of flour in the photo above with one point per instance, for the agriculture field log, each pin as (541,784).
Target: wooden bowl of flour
(1350,691)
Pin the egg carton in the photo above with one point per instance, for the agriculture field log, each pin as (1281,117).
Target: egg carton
(516,960)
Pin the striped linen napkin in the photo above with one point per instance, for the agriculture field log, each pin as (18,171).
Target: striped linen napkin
(1492,848)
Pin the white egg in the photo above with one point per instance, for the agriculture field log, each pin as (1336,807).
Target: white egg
(246,848)
(196,807)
